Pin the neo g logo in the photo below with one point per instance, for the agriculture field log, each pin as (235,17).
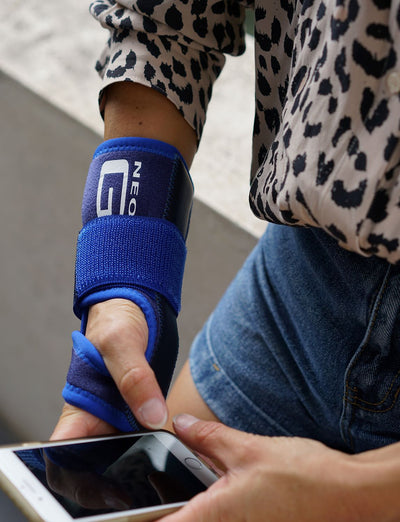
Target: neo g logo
(119,193)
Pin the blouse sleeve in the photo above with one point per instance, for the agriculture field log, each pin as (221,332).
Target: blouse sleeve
(174,46)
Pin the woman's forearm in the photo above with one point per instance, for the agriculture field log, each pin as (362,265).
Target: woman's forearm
(131,109)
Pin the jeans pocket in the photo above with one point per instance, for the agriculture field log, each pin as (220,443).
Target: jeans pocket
(371,410)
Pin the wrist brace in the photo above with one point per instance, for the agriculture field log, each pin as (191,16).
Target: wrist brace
(135,212)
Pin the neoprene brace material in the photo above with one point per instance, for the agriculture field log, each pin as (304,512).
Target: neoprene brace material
(140,175)
(120,251)
(135,211)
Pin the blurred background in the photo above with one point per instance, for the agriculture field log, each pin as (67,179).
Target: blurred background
(49,128)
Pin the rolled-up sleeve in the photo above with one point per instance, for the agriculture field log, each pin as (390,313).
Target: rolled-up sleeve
(175,47)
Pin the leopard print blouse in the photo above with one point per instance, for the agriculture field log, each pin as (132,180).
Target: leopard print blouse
(326,147)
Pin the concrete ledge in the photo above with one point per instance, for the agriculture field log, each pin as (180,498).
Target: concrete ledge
(52,51)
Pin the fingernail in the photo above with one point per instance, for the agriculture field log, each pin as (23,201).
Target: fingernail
(153,414)
(184,421)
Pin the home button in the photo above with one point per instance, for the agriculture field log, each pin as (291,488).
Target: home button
(193,463)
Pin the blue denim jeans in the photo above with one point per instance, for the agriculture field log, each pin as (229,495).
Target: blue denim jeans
(305,342)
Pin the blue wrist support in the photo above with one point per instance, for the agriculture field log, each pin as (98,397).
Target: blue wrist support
(135,212)
(120,251)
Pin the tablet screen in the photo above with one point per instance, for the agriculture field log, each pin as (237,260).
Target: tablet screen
(99,477)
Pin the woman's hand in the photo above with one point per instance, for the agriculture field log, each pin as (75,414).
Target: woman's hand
(280,479)
(118,329)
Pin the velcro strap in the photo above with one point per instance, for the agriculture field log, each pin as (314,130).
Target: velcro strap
(130,251)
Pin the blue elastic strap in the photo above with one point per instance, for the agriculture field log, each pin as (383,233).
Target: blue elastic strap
(124,251)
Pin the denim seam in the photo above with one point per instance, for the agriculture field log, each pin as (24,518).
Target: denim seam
(364,408)
(346,431)
(258,411)
(349,434)
(362,349)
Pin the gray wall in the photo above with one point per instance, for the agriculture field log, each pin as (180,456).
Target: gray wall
(44,157)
